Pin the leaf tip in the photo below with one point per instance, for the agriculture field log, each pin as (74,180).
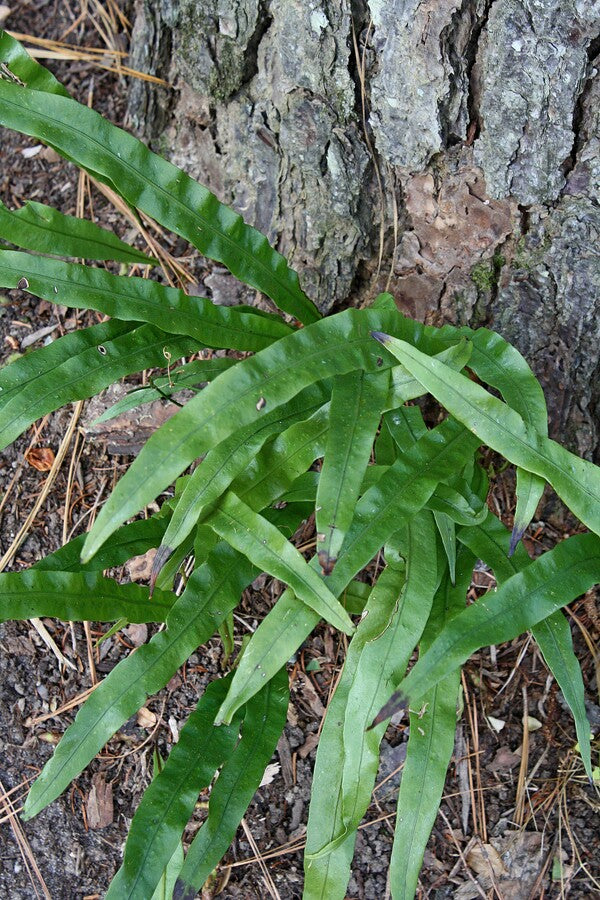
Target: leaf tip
(396,703)
(380,336)
(223,716)
(326,562)
(517,533)
(162,555)
(183,891)
(87,553)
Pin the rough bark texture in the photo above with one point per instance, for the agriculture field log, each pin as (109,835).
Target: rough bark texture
(456,160)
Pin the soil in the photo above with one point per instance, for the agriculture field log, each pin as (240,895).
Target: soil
(76,842)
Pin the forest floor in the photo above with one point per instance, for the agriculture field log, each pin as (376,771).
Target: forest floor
(516,804)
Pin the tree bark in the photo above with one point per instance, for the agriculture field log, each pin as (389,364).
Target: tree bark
(447,150)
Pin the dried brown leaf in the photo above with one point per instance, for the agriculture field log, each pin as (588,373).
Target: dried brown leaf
(99,804)
(40,458)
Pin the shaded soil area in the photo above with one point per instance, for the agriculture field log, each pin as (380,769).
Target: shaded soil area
(532,824)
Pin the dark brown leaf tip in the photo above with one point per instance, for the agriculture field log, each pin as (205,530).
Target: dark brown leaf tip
(517,534)
(396,703)
(183,891)
(380,336)
(326,562)
(162,555)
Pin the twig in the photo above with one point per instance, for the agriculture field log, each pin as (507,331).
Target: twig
(270,884)
(522,780)
(23,844)
(58,461)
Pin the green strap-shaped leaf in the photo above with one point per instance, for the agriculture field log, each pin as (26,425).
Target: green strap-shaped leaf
(21,64)
(459,503)
(78,597)
(553,637)
(406,425)
(347,763)
(233,455)
(238,397)
(139,300)
(286,626)
(268,549)
(383,660)
(77,366)
(402,490)
(490,542)
(304,488)
(328,873)
(332,346)
(501,365)
(354,597)
(530,596)
(168,802)
(575,480)
(213,590)
(163,573)
(166,886)
(357,402)
(272,471)
(464,497)
(43,229)
(189,376)
(457,499)
(377,516)
(385,450)
(429,749)
(156,187)
(447,531)
(266,475)
(238,781)
(404,387)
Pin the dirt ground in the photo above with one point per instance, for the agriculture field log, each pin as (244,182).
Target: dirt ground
(541,834)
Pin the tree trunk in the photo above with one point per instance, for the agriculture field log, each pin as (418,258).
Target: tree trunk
(448,151)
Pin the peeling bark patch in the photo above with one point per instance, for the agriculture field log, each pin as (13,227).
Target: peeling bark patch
(453,225)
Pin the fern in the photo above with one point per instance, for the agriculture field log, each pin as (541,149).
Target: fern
(335,390)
